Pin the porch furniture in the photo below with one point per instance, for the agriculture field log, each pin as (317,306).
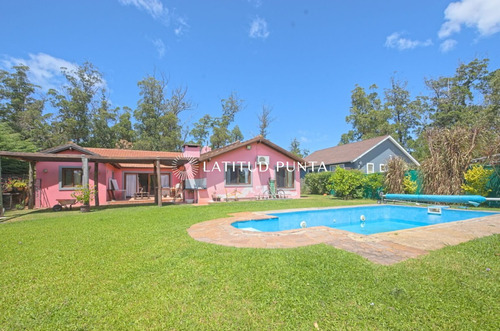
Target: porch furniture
(141,194)
(64,203)
(176,192)
(9,197)
(165,192)
(113,187)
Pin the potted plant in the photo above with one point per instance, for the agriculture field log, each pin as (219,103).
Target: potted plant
(84,195)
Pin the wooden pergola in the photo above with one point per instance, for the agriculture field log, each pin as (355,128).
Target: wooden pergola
(33,158)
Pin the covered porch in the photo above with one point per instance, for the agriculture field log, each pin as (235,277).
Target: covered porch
(155,193)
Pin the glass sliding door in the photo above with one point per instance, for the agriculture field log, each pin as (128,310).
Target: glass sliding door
(130,184)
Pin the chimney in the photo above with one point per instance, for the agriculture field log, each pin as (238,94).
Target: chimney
(192,150)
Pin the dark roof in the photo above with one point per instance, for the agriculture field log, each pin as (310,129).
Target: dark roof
(351,152)
(240,144)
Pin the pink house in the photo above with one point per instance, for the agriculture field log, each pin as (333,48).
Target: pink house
(252,169)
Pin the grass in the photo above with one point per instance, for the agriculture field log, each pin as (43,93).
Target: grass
(137,268)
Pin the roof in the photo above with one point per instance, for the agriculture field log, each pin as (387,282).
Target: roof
(353,151)
(112,152)
(69,146)
(239,144)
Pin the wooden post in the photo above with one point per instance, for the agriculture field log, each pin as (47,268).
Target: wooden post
(1,192)
(158,182)
(154,183)
(96,183)
(85,171)
(31,185)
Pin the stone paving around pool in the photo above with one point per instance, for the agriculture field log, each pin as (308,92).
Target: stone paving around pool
(383,248)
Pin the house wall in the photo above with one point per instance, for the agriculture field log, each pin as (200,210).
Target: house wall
(216,185)
(381,155)
(119,175)
(48,175)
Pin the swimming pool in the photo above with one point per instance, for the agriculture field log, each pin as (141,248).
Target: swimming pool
(363,220)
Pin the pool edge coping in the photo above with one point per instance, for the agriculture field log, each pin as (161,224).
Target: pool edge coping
(383,248)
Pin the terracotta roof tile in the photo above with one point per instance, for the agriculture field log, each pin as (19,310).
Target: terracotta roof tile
(344,153)
(114,152)
(239,144)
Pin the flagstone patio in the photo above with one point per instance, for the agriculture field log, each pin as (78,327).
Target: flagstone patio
(382,248)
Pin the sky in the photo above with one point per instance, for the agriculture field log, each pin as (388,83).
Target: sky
(301,58)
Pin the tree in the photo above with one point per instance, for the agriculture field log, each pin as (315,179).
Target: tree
(103,118)
(296,149)
(404,113)
(123,130)
(452,98)
(21,109)
(201,130)
(265,120)
(76,103)
(157,119)
(221,136)
(236,134)
(367,116)
(12,141)
(16,94)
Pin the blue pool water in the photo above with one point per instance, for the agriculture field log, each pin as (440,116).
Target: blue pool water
(377,219)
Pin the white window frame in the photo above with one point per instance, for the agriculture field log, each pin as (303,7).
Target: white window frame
(383,167)
(368,165)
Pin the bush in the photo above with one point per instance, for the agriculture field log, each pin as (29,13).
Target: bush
(409,186)
(476,180)
(374,183)
(317,182)
(347,183)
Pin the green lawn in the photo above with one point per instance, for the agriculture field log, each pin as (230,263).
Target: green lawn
(137,268)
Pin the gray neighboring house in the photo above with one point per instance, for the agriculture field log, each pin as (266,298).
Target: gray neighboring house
(369,155)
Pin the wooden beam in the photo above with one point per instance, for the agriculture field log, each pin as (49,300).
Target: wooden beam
(158,182)
(31,185)
(1,191)
(96,183)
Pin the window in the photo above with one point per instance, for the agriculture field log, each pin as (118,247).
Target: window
(370,168)
(240,175)
(285,178)
(383,168)
(71,177)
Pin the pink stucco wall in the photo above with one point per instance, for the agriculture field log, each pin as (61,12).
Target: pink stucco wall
(216,179)
(49,174)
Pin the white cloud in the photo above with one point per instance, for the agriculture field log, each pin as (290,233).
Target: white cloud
(396,40)
(484,15)
(158,11)
(160,47)
(45,70)
(258,28)
(181,26)
(447,45)
(255,3)
(154,8)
